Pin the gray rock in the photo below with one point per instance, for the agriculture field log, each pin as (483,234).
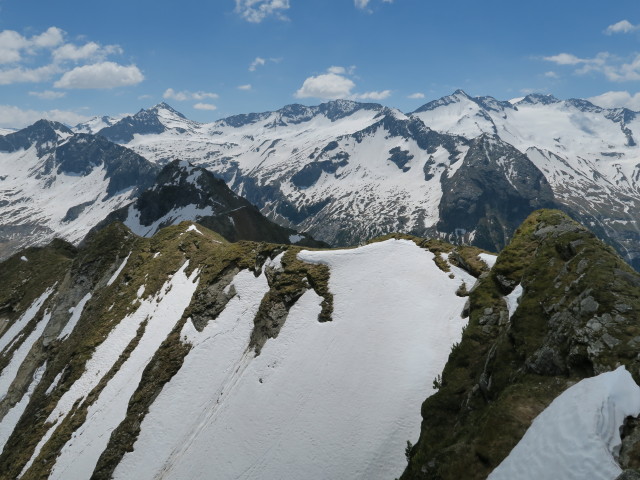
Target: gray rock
(629,475)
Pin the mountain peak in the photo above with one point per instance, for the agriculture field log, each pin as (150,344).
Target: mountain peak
(539,99)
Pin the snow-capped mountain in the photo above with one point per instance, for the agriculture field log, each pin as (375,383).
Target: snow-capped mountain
(56,183)
(345,171)
(95,124)
(182,192)
(181,355)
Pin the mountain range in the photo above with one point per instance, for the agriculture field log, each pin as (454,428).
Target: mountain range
(463,168)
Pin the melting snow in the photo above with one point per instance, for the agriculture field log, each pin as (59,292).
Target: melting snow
(11,419)
(333,400)
(117,272)
(488,258)
(578,435)
(513,299)
(12,333)
(76,312)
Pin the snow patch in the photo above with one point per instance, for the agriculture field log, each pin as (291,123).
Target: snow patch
(578,435)
(513,300)
(488,258)
(76,312)
(117,272)
(295,238)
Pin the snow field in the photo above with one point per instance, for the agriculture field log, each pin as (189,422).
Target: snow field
(323,400)
(110,350)
(578,435)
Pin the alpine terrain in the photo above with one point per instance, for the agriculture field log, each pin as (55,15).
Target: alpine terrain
(466,168)
(185,356)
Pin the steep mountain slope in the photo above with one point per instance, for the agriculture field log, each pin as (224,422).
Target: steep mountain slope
(181,355)
(589,155)
(345,172)
(557,307)
(57,183)
(184,192)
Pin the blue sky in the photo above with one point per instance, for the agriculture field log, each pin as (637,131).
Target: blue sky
(74,59)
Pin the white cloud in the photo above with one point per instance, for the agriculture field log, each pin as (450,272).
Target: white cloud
(245,87)
(48,95)
(14,117)
(617,99)
(258,62)
(612,67)
(373,95)
(565,59)
(623,26)
(28,75)
(551,74)
(100,75)
(13,44)
(361,3)
(255,11)
(337,70)
(90,50)
(185,95)
(326,86)
(204,106)
(145,97)
(416,96)
(52,37)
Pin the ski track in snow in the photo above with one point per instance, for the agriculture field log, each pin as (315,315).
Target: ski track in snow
(323,400)
(578,435)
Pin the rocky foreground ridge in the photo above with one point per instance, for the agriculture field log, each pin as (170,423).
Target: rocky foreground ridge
(578,315)
(183,354)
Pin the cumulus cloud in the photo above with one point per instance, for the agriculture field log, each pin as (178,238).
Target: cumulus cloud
(611,66)
(244,87)
(28,75)
(185,95)
(373,95)
(48,95)
(416,96)
(617,99)
(82,66)
(328,86)
(14,45)
(90,50)
(623,26)
(335,84)
(255,11)
(204,106)
(14,117)
(103,75)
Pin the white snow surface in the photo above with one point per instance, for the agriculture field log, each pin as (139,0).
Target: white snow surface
(489,259)
(10,372)
(110,350)
(76,312)
(513,299)
(14,330)
(323,400)
(79,456)
(12,417)
(578,435)
(118,271)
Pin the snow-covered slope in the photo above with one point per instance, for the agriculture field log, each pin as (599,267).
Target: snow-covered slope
(578,435)
(181,355)
(57,183)
(345,171)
